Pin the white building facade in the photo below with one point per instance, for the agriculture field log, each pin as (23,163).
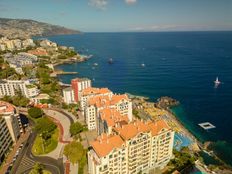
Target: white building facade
(137,147)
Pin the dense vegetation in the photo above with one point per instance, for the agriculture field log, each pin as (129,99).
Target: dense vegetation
(75,152)
(183,161)
(35,112)
(18,100)
(38,169)
(76,128)
(47,137)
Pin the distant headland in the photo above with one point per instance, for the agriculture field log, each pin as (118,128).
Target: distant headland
(26,28)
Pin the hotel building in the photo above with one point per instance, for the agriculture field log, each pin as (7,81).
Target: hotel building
(131,148)
(10,126)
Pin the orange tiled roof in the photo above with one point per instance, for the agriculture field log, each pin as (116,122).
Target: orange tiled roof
(99,101)
(6,107)
(38,52)
(104,144)
(116,98)
(132,129)
(157,126)
(112,116)
(91,90)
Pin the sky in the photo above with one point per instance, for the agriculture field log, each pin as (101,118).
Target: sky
(125,15)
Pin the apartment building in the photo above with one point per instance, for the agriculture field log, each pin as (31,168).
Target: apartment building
(94,104)
(5,139)
(78,85)
(68,95)
(10,127)
(11,87)
(90,92)
(132,148)
(108,118)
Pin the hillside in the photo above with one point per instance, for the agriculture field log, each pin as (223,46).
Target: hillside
(25,28)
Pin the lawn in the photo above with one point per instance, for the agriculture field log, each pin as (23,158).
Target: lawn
(41,147)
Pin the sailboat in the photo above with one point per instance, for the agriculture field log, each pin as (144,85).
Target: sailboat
(217,82)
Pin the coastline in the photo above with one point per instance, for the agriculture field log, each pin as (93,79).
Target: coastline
(197,144)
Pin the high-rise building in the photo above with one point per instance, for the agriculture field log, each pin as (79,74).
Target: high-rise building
(78,85)
(132,148)
(10,126)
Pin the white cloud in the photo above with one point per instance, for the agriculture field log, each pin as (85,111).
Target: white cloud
(130,1)
(100,4)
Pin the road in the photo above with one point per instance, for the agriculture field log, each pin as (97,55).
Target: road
(26,160)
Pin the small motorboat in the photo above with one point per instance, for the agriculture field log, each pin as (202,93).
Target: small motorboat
(217,82)
(95,64)
(110,61)
(143,65)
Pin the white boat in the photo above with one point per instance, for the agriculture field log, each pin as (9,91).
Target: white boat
(143,65)
(217,82)
(95,64)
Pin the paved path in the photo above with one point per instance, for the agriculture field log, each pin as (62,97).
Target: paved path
(26,160)
(62,121)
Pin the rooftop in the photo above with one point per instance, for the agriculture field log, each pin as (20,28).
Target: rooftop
(104,144)
(6,108)
(100,101)
(112,117)
(133,129)
(91,90)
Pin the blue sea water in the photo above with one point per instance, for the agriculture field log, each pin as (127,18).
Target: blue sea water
(182,65)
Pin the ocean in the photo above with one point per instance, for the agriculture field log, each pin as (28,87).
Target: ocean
(182,65)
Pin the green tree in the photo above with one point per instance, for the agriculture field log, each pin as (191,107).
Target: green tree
(44,124)
(74,151)
(75,128)
(37,169)
(35,112)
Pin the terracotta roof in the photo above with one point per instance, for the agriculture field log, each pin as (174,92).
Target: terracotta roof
(116,98)
(106,101)
(112,116)
(6,108)
(104,144)
(132,129)
(38,52)
(99,101)
(157,126)
(91,90)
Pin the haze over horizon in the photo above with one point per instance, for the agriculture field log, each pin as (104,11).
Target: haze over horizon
(125,15)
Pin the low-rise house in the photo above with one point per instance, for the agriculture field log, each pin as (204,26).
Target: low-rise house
(40,98)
